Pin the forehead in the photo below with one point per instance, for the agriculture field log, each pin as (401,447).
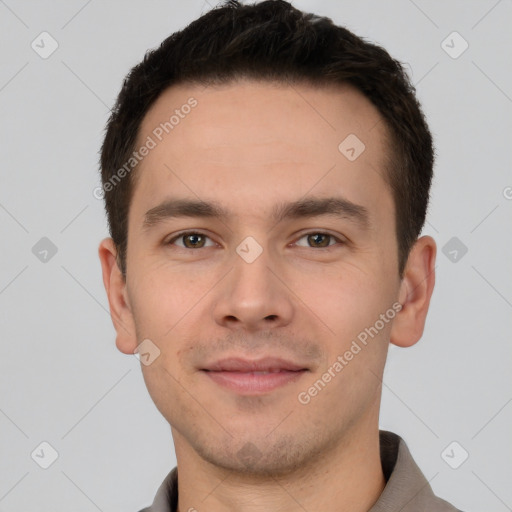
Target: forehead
(250,138)
(260,109)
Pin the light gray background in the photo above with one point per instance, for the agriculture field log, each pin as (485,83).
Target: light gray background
(62,379)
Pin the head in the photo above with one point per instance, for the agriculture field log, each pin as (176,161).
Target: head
(309,163)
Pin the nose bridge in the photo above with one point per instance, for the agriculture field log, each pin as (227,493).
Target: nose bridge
(251,271)
(252,294)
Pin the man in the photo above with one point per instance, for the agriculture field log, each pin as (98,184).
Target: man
(266,178)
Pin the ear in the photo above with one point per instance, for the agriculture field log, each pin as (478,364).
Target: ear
(416,289)
(115,286)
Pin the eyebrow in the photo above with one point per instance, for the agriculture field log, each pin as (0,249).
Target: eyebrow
(302,208)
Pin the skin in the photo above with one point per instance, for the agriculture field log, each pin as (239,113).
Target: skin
(250,145)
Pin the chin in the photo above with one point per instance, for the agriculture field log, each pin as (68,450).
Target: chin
(259,458)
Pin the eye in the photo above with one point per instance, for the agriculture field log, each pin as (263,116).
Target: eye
(190,239)
(197,240)
(320,240)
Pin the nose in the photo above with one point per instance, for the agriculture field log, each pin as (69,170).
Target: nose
(254,296)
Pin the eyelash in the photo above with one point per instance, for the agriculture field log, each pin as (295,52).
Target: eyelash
(186,233)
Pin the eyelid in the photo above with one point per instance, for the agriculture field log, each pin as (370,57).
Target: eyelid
(181,234)
(337,238)
(341,240)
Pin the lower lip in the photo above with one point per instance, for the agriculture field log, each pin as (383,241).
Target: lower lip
(254,384)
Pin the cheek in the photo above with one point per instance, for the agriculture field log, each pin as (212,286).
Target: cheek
(161,298)
(345,300)
(162,386)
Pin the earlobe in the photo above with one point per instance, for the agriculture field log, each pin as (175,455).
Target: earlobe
(115,286)
(415,292)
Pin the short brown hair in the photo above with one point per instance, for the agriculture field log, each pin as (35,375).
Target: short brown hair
(276,42)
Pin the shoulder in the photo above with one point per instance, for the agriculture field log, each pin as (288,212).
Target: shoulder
(166,498)
(406,488)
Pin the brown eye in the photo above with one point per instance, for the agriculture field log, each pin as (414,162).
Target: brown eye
(319,240)
(190,240)
(193,240)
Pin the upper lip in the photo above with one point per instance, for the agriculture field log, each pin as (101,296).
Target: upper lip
(238,364)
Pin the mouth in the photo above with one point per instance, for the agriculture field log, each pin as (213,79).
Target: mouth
(254,377)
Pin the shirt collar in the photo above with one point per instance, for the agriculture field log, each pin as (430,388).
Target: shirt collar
(407,489)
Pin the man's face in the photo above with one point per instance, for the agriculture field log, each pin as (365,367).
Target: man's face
(249,286)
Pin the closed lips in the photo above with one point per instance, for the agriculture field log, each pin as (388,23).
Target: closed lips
(260,366)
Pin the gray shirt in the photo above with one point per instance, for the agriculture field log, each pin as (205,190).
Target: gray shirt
(406,490)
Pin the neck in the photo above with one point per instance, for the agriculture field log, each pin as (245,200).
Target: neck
(348,476)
